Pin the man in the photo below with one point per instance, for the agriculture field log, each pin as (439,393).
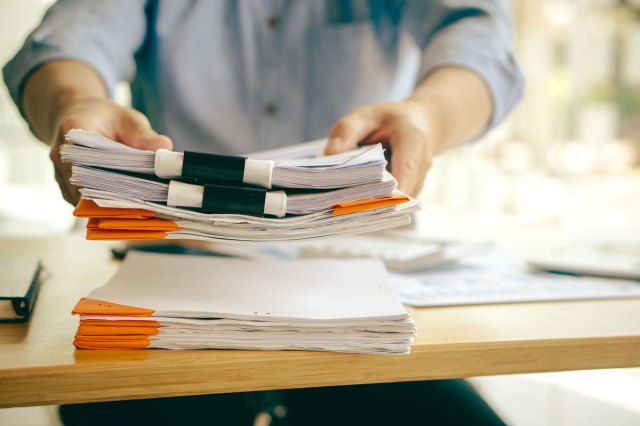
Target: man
(240,76)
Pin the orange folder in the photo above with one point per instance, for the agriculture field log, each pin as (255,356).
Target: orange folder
(121,322)
(88,208)
(149,224)
(106,343)
(370,204)
(123,338)
(92,331)
(124,235)
(86,306)
(116,334)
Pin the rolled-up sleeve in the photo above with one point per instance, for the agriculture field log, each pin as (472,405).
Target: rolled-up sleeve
(104,34)
(473,34)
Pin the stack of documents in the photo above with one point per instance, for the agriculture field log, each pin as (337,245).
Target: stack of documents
(364,165)
(133,194)
(146,188)
(196,302)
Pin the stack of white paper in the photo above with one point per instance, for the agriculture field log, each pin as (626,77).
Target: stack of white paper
(195,302)
(358,167)
(147,188)
(129,194)
(92,149)
(213,227)
(139,187)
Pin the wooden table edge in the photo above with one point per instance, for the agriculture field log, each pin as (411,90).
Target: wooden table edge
(157,378)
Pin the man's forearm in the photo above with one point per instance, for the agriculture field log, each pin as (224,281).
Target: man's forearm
(461,102)
(64,95)
(52,88)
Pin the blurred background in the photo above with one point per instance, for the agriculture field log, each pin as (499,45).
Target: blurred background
(568,155)
(568,158)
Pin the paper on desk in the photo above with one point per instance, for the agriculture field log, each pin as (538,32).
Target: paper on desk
(502,277)
(195,302)
(201,287)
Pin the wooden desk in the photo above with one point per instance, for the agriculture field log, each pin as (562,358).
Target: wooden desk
(39,366)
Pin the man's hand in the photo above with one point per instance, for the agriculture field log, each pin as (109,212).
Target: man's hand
(66,94)
(409,128)
(121,124)
(450,106)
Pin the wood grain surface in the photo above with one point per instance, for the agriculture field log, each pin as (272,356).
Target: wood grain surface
(39,365)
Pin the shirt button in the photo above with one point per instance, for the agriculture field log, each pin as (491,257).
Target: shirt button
(273,22)
(270,108)
(280,411)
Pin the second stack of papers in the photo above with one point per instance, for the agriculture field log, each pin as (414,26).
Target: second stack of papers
(194,302)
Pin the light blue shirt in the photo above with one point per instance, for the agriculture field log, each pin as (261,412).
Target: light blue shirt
(240,76)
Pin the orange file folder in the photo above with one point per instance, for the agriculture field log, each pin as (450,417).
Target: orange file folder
(121,322)
(370,204)
(115,330)
(124,235)
(150,224)
(105,343)
(86,306)
(87,209)
(116,334)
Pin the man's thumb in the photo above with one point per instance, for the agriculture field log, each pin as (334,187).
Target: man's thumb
(349,131)
(153,141)
(137,133)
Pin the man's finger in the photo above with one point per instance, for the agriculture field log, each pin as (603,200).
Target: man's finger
(63,172)
(153,141)
(69,192)
(136,132)
(351,129)
(408,164)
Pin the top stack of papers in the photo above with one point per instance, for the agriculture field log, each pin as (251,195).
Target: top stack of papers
(361,166)
(198,302)
(134,194)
